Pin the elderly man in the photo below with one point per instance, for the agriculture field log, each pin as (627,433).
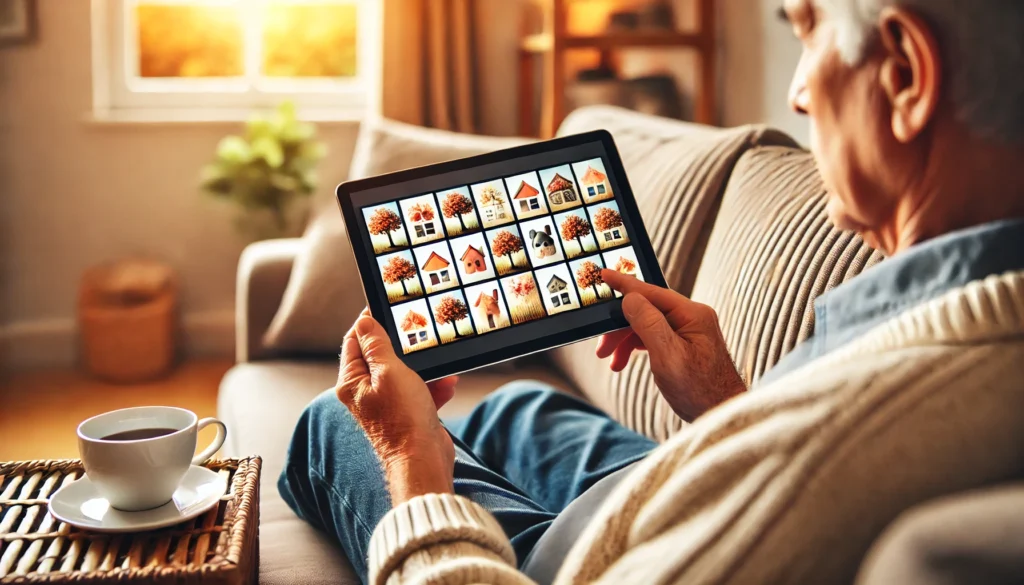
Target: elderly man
(909,389)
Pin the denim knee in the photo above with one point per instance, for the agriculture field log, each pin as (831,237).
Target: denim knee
(516,395)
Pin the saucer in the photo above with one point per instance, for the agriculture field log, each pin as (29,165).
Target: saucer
(80,505)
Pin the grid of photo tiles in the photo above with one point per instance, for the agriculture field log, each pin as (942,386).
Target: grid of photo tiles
(478,258)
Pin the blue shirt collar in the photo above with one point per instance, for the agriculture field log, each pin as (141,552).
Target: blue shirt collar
(916,275)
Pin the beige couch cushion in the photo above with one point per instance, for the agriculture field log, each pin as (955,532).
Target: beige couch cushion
(678,172)
(324,293)
(771,252)
(260,403)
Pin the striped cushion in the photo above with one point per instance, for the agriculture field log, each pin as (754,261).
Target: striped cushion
(678,172)
(771,252)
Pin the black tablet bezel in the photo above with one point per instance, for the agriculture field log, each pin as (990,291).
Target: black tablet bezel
(379,307)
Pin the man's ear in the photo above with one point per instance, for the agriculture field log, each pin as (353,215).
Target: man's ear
(911,71)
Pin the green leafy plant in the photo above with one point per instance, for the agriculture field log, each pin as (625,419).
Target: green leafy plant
(268,169)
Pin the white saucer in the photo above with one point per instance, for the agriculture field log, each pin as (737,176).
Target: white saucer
(81,506)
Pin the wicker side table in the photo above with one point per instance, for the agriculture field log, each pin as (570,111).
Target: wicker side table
(219,547)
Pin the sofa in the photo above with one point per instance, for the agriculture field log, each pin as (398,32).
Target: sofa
(737,218)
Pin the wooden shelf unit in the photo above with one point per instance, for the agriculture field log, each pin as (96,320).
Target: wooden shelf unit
(552,44)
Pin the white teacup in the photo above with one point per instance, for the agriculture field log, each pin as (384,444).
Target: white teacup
(136,457)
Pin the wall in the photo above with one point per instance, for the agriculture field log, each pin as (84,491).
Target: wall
(74,193)
(758,54)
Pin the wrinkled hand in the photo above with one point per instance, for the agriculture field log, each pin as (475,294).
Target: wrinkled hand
(397,411)
(690,362)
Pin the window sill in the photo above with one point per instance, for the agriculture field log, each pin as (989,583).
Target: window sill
(186,117)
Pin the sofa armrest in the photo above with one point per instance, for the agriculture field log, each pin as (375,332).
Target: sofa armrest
(263,273)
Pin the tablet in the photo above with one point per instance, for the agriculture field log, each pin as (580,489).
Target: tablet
(483,259)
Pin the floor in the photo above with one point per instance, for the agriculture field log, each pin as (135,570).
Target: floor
(39,411)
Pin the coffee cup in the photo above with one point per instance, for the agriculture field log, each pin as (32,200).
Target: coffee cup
(137,457)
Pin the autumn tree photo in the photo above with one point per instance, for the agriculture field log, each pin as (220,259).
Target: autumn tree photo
(607,218)
(451,310)
(625,265)
(505,244)
(397,270)
(588,275)
(456,204)
(575,227)
(385,221)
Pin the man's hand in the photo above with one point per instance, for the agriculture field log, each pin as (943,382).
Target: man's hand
(691,365)
(397,411)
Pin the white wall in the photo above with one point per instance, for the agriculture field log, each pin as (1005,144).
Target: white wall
(75,193)
(758,56)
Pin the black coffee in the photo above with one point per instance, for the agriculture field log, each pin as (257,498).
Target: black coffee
(138,434)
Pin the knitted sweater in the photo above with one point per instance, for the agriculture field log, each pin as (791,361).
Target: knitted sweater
(789,484)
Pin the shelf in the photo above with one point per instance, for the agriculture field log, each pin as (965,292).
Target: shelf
(543,42)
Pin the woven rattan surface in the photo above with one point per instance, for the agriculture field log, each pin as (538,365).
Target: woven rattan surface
(220,546)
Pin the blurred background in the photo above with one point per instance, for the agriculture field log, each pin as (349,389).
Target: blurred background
(146,143)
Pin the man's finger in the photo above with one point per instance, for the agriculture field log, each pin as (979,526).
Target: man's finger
(609,341)
(352,368)
(649,324)
(620,358)
(374,343)
(663,298)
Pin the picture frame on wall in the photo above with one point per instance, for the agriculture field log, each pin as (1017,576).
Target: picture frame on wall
(17,22)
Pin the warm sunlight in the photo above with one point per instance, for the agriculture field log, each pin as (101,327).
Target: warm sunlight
(286,39)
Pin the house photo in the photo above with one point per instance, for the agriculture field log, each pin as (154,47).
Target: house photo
(492,203)
(508,250)
(593,179)
(609,229)
(487,306)
(527,197)
(557,290)
(587,274)
(523,298)
(472,258)
(576,233)
(422,219)
(401,280)
(543,244)
(451,315)
(415,329)
(436,267)
(458,211)
(387,232)
(560,188)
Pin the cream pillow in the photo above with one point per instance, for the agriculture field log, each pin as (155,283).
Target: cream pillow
(324,294)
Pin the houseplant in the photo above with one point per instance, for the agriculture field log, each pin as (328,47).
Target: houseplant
(267,172)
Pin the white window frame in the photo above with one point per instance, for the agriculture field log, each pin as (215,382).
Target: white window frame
(120,97)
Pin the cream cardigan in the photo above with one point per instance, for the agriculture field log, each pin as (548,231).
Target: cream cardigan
(789,484)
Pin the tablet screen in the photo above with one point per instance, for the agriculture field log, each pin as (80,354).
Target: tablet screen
(474,260)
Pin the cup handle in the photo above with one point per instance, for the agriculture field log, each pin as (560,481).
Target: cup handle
(218,441)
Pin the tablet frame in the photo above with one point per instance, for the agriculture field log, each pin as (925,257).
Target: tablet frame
(380,308)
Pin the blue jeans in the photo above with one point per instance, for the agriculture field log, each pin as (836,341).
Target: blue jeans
(524,454)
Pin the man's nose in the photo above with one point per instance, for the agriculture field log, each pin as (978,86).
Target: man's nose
(799,99)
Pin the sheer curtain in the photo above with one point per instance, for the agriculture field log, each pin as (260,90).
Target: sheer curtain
(430,76)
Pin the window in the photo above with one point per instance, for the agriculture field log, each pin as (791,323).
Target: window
(423,335)
(429,228)
(608,236)
(590,190)
(444,276)
(412,339)
(565,298)
(420,232)
(555,302)
(434,280)
(534,203)
(600,189)
(218,59)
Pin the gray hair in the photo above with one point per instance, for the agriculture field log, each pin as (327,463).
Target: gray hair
(982,42)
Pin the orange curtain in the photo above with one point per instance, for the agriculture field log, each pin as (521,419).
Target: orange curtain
(429,66)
